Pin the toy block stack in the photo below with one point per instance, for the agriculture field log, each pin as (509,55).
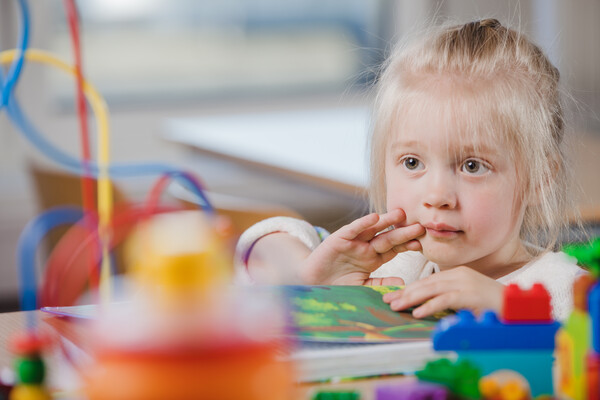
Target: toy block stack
(521,340)
(578,341)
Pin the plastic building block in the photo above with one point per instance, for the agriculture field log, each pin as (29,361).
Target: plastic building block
(411,391)
(588,255)
(461,378)
(565,350)
(572,344)
(531,305)
(504,385)
(535,366)
(593,376)
(581,291)
(336,395)
(594,311)
(463,332)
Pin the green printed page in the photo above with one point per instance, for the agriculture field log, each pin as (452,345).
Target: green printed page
(352,314)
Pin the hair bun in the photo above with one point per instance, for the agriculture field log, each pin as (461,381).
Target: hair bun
(489,23)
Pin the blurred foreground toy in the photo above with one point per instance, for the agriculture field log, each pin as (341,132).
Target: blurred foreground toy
(29,366)
(186,335)
(413,390)
(336,395)
(523,343)
(578,341)
(461,378)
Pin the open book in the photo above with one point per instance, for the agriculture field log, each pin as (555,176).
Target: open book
(348,331)
(341,332)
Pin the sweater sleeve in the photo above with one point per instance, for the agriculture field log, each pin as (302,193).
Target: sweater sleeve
(309,235)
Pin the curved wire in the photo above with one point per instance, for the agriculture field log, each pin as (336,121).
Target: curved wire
(29,240)
(188,181)
(49,149)
(16,67)
(87,184)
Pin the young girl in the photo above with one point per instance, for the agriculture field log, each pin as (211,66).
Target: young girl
(468,181)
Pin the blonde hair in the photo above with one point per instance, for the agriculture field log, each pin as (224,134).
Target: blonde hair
(507,90)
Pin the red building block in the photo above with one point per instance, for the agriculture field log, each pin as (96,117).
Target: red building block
(593,372)
(522,306)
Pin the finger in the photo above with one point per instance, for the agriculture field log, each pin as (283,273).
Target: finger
(412,245)
(373,282)
(392,281)
(392,296)
(394,217)
(449,300)
(356,227)
(421,291)
(398,237)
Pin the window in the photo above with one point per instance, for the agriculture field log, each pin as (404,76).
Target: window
(161,50)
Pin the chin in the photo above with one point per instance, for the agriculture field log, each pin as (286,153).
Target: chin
(443,257)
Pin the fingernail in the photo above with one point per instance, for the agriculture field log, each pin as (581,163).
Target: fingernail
(418,313)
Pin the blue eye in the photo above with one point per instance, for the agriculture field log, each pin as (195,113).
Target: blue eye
(474,167)
(412,163)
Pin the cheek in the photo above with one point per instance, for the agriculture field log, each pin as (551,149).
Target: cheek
(400,196)
(485,210)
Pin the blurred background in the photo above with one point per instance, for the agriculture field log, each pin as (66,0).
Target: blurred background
(157,61)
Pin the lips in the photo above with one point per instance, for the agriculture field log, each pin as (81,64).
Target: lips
(442,231)
(441,227)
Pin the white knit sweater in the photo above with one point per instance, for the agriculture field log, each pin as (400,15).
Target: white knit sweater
(556,271)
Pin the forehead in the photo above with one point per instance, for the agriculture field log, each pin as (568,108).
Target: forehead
(451,116)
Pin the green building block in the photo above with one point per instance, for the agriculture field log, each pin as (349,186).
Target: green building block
(336,395)
(461,378)
(587,254)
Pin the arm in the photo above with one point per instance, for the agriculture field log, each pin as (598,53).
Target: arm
(276,259)
(456,288)
(347,257)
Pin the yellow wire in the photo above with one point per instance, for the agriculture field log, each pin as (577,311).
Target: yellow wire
(100,110)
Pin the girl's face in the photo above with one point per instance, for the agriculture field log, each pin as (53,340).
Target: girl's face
(462,189)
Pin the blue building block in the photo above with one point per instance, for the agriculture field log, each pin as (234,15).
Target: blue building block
(462,332)
(594,311)
(534,365)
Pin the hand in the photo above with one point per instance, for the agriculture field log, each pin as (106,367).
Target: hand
(456,288)
(349,255)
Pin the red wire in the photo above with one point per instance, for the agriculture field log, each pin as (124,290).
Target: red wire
(87,182)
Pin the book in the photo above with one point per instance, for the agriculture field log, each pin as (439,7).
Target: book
(340,332)
(349,332)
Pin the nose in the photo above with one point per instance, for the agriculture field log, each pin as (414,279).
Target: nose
(440,192)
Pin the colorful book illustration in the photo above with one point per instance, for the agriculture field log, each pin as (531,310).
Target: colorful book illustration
(351,314)
(333,314)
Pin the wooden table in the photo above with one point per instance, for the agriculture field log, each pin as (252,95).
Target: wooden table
(74,332)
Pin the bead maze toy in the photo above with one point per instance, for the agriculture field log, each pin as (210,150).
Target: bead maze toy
(170,339)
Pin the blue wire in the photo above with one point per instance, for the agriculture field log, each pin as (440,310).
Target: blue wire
(29,240)
(191,183)
(17,65)
(72,163)
(39,227)
(47,148)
